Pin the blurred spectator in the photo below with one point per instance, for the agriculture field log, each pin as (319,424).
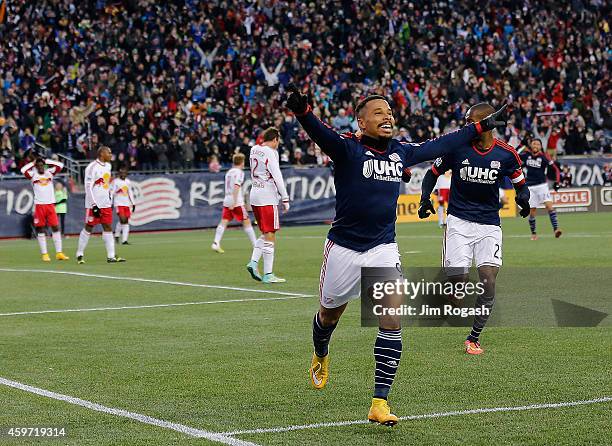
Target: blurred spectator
(566,178)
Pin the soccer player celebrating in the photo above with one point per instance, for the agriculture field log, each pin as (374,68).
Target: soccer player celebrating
(125,204)
(98,205)
(44,204)
(473,229)
(233,203)
(537,163)
(368,174)
(266,189)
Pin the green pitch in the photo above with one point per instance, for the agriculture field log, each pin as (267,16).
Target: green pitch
(242,365)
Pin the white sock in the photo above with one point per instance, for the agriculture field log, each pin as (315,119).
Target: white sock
(109,242)
(251,233)
(219,233)
(268,255)
(440,215)
(42,243)
(125,231)
(57,241)
(83,239)
(118,229)
(257,249)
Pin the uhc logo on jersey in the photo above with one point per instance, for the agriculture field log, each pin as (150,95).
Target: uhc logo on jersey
(479,174)
(534,162)
(382,170)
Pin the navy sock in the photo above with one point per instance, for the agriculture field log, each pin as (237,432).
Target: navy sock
(480,321)
(321,336)
(553,219)
(532,224)
(387,354)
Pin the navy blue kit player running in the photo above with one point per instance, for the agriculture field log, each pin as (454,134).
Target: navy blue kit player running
(368,175)
(473,231)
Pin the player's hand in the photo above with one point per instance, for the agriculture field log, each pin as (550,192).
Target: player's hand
(522,200)
(95,210)
(425,209)
(296,102)
(556,186)
(286,206)
(406,175)
(494,120)
(133,208)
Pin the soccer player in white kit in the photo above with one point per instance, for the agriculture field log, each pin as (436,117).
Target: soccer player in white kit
(125,204)
(44,204)
(233,203)
(266,190)
(443,188)
(98,205)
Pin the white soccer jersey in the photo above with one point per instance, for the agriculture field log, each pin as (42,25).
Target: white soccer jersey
(122,192)
(443,182)
(234,177)
(44,192)
(268,185)
(97,185)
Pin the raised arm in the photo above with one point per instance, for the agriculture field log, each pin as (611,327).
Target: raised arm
(556,170)
(56,165)
(25,170)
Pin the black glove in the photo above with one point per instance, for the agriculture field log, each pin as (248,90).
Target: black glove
(296,102)
(522,200)
(95,210)
(494,120)
(406,175)
(426,208)
(556,186)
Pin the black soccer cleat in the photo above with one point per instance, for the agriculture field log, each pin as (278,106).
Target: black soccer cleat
(125,243)
(80,260)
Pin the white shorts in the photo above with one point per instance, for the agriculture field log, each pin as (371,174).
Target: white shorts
(340,279)
(466,241)
(538,195)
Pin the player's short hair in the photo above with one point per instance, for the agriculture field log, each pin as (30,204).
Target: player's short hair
(363,103)
(270,134)
(102,149)
(39,160)
(238,159)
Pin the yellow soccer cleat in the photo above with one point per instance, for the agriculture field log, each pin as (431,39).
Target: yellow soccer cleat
(46,258)
(61,256)
(319,371)
(217,247)
(380,412)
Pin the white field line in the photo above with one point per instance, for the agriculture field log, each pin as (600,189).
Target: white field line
(139,279)
(604,399)
(190,431)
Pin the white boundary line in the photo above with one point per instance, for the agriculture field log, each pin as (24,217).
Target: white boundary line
(191,431)
(604,399)
(139,279)
(134,307)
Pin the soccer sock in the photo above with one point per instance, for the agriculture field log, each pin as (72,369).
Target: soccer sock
(553,219)
(57,241)
(125,231)
(219,233)
(480,321)
(118,229)
(387,353)
(109,242)
(321,336)
(268,255)
(83,240)
(440,215)
(257,249)
(532,224)
(42,243)
(250,232)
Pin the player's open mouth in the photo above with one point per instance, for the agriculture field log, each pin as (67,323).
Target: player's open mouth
(386,126)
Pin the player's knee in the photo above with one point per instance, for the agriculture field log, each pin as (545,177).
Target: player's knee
(328,318)
(390,323)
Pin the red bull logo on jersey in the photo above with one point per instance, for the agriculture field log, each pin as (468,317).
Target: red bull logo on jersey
(483,175)
(382,170)
(43,181)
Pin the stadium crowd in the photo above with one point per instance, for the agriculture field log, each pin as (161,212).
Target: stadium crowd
(182,84)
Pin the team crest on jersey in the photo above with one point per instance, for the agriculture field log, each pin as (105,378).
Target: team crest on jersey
(495,164)
(382,170)
(395,157)
(482,175)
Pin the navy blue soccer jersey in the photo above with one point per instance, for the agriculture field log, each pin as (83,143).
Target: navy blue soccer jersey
(368,180)
(476,179)
(537,165)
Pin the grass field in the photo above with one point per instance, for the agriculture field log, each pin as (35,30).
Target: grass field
(227,367)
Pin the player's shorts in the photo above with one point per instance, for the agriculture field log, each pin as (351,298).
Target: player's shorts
(45,215)
(124,211)
(466,242)
(267,218)
(443,195)
(105,218)
(239,213)
(538,195)
(340,278)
